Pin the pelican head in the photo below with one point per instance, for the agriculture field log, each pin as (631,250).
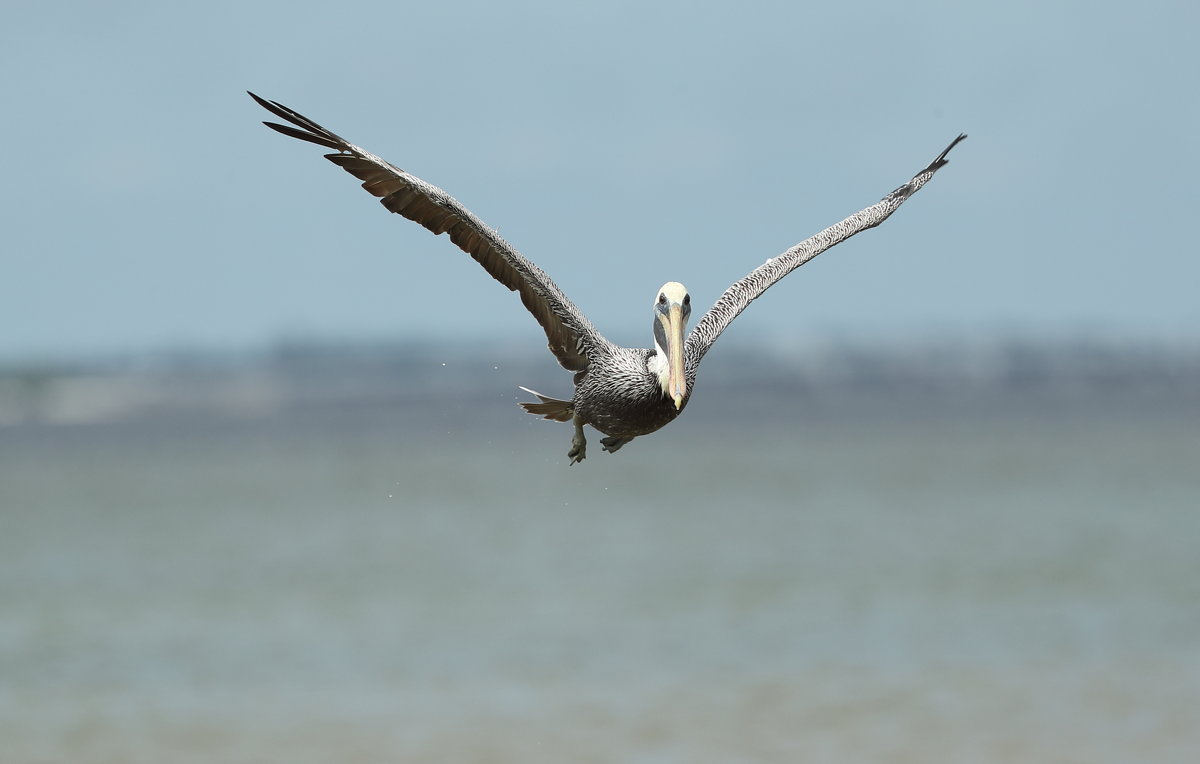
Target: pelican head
(671,310)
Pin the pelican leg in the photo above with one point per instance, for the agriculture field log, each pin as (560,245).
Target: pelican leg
(612,444)
(578,450)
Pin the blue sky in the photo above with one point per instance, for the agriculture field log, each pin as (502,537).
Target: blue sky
(618,145)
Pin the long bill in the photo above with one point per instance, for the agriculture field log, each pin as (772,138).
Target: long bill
(676,381)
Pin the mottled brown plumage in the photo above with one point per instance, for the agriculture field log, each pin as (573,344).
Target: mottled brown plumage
(622,392)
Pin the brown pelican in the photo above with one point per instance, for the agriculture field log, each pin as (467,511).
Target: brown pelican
(622,392)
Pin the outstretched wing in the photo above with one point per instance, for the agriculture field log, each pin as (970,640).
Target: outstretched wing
(743,292)
(571,337)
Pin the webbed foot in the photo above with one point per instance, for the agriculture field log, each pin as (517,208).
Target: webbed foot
(577,453)
(612,443)
(578,450)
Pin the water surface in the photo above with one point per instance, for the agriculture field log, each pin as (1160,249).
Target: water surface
(772,578)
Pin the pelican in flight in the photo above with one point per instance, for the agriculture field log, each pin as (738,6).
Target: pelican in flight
(622,392)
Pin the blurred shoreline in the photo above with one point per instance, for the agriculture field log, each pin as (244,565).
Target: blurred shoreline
(291,376)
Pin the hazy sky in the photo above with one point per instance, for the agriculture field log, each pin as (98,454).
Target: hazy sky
(617,144)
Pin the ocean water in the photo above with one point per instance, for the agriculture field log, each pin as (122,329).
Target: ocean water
(772,578)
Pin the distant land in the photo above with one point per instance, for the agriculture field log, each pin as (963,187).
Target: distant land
(298,375)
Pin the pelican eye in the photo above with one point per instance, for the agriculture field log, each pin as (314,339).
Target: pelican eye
(662,299)
(687,299)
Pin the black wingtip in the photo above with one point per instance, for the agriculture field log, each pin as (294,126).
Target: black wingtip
(309,131)
(304,135)
(942,161)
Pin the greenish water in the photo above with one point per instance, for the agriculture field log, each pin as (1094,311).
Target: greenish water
(850,579)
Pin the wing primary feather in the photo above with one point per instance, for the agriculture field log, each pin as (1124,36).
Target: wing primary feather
(912,186)
(302,135)
(329,138)
(942,161)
